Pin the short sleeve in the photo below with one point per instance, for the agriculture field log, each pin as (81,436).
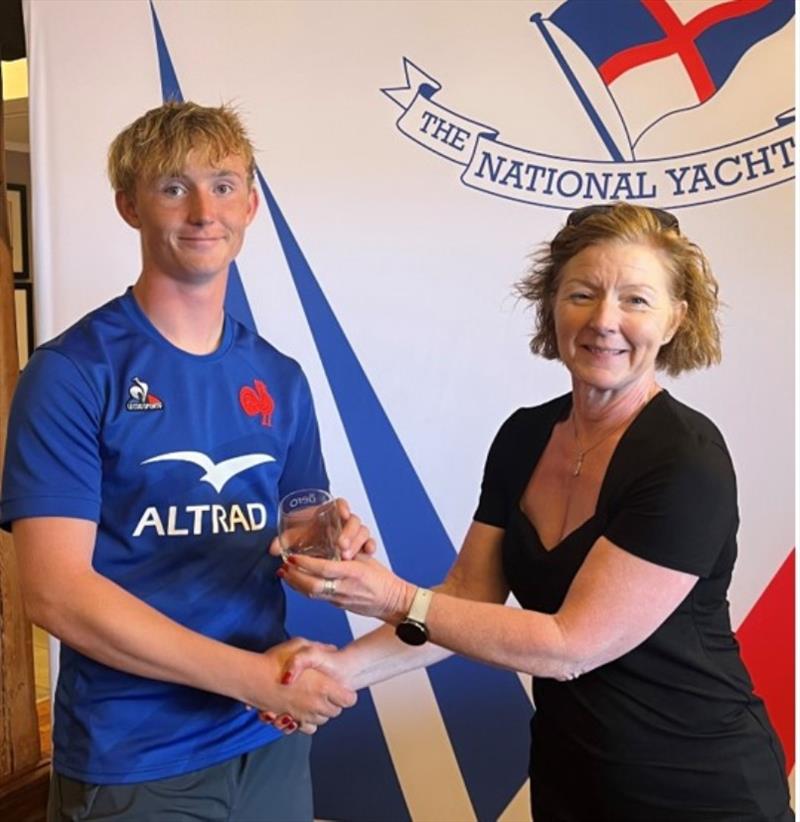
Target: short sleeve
(53,464)
(305,467)
(681,510)
(495,496)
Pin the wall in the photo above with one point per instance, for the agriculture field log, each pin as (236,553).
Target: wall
(374,121)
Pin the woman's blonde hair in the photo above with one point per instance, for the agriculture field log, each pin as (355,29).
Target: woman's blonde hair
(696,343)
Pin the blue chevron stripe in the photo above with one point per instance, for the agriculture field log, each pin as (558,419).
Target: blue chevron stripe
(352,751)
(492,755)
(170,88)
(351,766)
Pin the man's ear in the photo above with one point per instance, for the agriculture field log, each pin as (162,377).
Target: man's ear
(126,206)
(252,204)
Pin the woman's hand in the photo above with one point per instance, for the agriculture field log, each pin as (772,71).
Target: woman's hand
(355,538)
(362,586)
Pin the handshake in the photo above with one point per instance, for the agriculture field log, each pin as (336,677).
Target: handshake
(313,682)
(312,686)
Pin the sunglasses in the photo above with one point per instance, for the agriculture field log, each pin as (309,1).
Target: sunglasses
(665,219)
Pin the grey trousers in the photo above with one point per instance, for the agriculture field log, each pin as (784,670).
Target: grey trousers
(270,784)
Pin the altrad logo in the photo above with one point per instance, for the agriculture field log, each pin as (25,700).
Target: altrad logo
(205,518)
(215,474)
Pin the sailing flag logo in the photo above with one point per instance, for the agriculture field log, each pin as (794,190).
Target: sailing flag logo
(630,64)
(656,58)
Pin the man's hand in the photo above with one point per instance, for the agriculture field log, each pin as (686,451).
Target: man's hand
(355,538)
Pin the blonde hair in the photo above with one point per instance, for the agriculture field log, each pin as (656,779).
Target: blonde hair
(158,143)
(696,343)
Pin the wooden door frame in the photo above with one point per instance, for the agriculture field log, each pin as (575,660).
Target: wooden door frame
(23,770)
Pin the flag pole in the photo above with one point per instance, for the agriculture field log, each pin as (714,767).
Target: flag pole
(583,98)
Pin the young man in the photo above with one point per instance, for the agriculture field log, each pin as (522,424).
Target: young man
(148,448)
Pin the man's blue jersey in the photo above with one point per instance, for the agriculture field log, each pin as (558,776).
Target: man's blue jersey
(181,460)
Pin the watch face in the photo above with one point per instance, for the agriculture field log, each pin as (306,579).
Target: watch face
(412,633)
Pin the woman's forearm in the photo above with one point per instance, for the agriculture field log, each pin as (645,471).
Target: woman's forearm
(380,655)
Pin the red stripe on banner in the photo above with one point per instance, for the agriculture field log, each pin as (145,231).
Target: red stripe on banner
(633,57)
(766,637)
(724,11)
(680,40)
(684,46)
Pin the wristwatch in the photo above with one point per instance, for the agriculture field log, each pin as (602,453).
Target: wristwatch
(413,630)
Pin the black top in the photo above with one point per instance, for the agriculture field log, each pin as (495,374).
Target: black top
(671,730)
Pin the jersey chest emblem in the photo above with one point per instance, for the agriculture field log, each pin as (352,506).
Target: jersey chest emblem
(140,398)
(257,401)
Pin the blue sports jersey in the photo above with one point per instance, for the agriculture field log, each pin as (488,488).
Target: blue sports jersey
(181,460)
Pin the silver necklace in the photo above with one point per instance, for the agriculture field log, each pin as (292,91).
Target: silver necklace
(582,452)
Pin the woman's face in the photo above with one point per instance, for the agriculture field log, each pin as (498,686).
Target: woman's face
(613,311)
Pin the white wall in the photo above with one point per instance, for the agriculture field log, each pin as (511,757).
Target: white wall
(417,266)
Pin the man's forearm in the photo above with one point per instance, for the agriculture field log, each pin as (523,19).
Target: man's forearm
(95,616)
(103,621)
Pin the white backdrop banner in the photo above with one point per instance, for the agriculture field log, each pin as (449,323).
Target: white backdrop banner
(411,156)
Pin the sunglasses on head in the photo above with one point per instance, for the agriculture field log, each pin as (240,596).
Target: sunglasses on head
(665,219)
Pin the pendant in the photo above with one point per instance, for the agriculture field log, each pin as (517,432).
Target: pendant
(578,465)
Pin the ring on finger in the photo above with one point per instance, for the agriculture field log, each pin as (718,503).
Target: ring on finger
(329,588)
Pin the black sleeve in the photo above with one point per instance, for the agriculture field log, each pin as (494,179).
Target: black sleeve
(681,509)
(495,498)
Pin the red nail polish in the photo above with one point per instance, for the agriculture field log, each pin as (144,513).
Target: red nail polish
(291,560)
(280,573)
(292,726)
(286,678)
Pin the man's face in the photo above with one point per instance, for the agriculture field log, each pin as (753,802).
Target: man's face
(192,224)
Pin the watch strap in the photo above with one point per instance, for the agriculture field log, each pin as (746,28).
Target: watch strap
(419,605)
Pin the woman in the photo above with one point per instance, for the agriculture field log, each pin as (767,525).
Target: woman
(611,515)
